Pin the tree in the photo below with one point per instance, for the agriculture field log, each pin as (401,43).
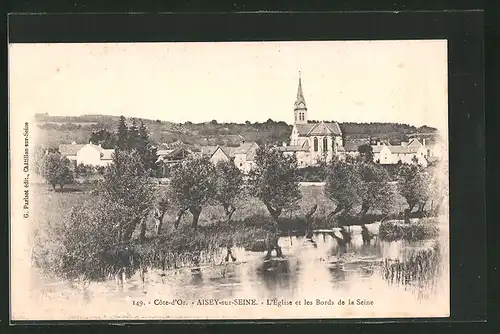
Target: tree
(213,122)
(133,140)
(274,180)
(122,140)
(366,153)
(103,137)
(160,212)
(126,183)
(92,232)
(146,151)
(374,190)
(342,185)
(192,186)
(38,158)
(228,186)
(82,170)
(413,184)
(57,170)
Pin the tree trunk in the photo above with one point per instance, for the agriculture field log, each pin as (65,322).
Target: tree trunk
(229,210)
(364,209)
(142,235)
(309,231)
(275,213)
(411,205)
(196,215)
(129,230)
(421,206)
(160,223)
(179,217)
(54,187)
(407,216)
(334,212)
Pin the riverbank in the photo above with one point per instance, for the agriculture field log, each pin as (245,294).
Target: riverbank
(417,229)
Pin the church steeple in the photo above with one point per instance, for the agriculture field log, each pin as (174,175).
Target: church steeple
(300,110)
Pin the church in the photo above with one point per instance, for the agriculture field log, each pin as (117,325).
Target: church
(312,143)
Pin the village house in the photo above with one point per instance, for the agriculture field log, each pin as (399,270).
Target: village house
(87,154)
(311,143)
(386,154)
(407,152)
(243,156)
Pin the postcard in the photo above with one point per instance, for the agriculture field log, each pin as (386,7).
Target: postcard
(234,180)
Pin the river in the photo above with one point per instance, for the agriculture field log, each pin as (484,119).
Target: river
(383,279)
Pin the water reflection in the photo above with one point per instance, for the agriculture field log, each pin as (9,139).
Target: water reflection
(321,268)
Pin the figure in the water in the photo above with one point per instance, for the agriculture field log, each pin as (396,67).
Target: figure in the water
(366,235)
(229,255)
(343,238)
(272,240)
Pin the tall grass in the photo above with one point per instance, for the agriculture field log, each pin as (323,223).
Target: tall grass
(418,269)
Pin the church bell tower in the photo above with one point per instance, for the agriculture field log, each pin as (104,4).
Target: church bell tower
(300,110)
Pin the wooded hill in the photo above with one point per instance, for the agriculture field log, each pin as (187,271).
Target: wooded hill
(55,130)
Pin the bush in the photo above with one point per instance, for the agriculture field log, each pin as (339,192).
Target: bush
(396,230)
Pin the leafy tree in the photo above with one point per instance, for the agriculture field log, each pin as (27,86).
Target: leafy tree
(84,170)
(374,190)
(342,185)
(213,122)
(160,212)
(126,183)
(103,137)
(38,158)
(57,170)
(274,180)
(228,186)
(192,186)
(92,232)
(366,153)
(122,140)
(413,184)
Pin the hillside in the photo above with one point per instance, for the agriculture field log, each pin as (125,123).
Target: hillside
(55,130)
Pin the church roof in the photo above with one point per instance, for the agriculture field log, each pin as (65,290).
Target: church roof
(295,148)
(319,129)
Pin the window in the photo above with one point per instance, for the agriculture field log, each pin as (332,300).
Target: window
(241,164)
(325,144)
(315,144)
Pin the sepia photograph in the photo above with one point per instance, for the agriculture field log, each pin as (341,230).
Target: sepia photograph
(229,180)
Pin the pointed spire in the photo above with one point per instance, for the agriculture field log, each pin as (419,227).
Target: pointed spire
(300,95)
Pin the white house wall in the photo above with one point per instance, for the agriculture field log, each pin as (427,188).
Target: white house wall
(89,155)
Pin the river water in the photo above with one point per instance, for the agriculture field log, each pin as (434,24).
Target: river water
(383,279)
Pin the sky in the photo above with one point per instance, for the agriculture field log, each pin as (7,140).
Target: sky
(345,81)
